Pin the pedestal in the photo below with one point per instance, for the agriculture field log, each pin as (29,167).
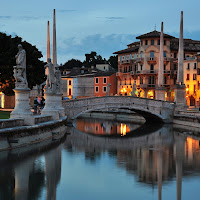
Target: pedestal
(22,106)
(59,107)
(50,105)
(179,98)
(160,93)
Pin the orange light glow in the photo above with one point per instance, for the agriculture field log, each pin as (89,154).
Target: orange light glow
(123,129)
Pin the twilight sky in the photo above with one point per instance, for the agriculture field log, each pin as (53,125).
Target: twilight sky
(103,26)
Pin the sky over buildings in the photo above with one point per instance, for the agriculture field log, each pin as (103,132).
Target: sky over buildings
(103,26)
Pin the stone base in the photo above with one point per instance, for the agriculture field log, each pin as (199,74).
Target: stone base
(50,105)
(160,93)
(22,107)
(59,107)
(180,99)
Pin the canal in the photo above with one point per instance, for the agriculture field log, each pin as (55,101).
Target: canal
(101,159)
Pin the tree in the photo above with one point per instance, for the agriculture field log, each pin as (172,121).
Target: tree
(113,62)
(70,64)
(34,67)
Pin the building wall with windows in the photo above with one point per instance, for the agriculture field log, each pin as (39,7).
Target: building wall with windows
(101,81)
(140,63)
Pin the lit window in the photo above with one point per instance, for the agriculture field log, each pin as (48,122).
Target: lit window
(194,77)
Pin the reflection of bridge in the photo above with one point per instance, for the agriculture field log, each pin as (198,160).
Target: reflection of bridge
(150,109)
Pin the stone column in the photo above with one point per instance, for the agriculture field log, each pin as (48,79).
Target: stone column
(48,41)
(54,53)
(160,90)
(179,88)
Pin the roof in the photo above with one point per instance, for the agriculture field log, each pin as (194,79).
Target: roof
(134,43)
(107,73)
(131,49)
(153,34)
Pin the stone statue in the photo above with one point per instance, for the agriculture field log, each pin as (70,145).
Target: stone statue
(108,89)
(49,72)
(20,68)
(58,80)
(133,90)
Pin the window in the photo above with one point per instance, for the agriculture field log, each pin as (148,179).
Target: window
(141,80)
(158,42)
(152,54)
(175,67)
(141,43)
(130,81)
(152,42)
(188,91)
(104,80)
(164,42)
(164,67)
(152,67)
(125,57)
(188,77)
(125,81)
(165,54)
(97,80)
(165,80)
(188,66)
(194,77)
(175,55)
(146,42)
(70,82)
(135,68)
(141,54)
(96,89)
(120,58)
(141,67)
(70,91)
(135,56)
(104,89)
(194,89)
(130,56)
(195,65)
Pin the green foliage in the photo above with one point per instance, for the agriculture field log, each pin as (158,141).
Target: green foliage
(113,62)
(34,67)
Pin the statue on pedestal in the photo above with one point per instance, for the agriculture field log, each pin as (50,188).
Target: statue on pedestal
(58,80)
(20,69)
(108,89)
(49,71)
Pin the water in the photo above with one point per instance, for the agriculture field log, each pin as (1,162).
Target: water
(113,160)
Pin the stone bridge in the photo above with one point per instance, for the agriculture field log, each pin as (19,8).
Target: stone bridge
(152,110)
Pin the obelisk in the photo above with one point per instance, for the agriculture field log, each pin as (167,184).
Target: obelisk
(48,42)
(180,86)
(160,90)
(54,52)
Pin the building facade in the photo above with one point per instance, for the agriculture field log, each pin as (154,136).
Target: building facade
(140,63)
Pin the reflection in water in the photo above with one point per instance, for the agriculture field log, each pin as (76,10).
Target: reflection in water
(161,160)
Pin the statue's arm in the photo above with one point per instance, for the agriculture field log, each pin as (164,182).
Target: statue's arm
(22,57)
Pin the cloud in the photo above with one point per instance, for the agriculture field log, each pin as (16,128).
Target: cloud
(111,18)
(103,45)
(5,17)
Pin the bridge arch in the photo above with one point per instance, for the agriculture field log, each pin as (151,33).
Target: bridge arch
(152,110)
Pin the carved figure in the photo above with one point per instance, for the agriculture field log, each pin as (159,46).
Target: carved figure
(108,89)
(58,79)
(20,69)
(134,89)
(49,71)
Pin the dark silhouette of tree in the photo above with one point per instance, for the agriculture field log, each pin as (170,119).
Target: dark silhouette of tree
(34,66)
(113,62)
(70,64)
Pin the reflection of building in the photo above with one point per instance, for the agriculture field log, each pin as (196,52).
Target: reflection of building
(140,62)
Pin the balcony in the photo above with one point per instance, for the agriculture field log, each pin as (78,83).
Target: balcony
(150,72)
(124,61)
(151,85)
(151,60)
(142,86)
(140,60)
(166,60)
(167,72)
